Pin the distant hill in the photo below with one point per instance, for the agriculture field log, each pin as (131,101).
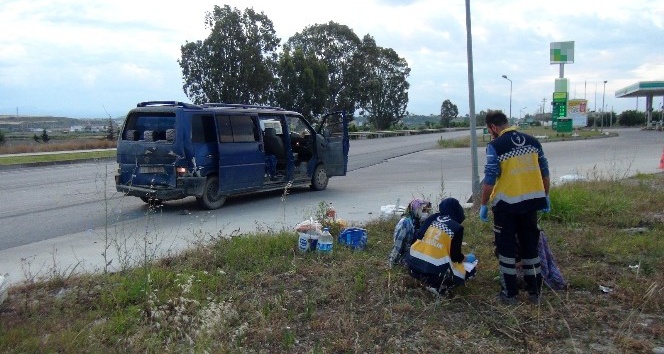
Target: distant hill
(413,121)
(416,121)
(25,123)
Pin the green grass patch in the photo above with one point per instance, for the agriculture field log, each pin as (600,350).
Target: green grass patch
(544,134)
(258,293)
(55,157)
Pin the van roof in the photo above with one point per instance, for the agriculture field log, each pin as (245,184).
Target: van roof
(212,105)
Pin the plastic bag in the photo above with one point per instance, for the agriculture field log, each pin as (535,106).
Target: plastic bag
(392,210)
(308,225)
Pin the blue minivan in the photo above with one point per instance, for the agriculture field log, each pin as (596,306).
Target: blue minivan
(171,150)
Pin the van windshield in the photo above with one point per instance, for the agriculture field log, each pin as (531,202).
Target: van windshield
(150,126)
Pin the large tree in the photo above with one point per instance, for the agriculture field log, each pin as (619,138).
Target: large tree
(236,63)
(384,93)
(448,111)
(338,46)
(303,83)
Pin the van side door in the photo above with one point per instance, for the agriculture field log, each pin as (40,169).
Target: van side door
(333,143)
(204,157)
(241,155)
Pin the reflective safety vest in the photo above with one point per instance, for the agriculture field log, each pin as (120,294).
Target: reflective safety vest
(431,254)
(519,187)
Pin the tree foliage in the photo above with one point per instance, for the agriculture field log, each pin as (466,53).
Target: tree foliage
(631,118)
(3,139)
(338,46)
(448,111)
(384,88)
(110,130)
(303,83)
(480,118)
(323,68)
(44,136)
(235,63)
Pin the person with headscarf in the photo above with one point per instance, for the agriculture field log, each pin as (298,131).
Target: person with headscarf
(435,257)
(406,228)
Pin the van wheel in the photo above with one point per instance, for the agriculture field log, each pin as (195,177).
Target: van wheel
(319,179)
(210,198)
(151,201)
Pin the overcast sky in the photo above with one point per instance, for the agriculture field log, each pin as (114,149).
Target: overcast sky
(92,59)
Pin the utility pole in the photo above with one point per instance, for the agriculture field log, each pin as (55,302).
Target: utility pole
(508,79)
(595,97)
(603,94)
(475,177)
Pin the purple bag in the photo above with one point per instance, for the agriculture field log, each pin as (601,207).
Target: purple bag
(551,274)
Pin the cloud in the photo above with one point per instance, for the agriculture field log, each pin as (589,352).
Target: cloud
(118,53)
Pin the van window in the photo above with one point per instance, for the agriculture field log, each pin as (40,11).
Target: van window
(151,126)
(202,129)
(296,125)
(225,130)
(334,125)
(236,129)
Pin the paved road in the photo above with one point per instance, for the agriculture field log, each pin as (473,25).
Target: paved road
(63,218)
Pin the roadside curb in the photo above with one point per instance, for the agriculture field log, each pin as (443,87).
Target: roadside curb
(54,163)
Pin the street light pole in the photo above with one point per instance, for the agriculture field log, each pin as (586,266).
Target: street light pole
(506,78)
(603,94)
(521,110)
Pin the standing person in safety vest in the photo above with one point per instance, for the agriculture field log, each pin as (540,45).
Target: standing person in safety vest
(435,258)
(516,185)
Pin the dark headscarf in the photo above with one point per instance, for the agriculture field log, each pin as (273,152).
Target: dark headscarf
(452,208)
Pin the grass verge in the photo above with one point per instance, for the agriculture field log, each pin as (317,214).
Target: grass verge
(55,157)
(258,294)
(544,134)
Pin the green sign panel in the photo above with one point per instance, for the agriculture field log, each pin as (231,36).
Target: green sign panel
(562,52)
(560,97)
(559,104)
(559,110)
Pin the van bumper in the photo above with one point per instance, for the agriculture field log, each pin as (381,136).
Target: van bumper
(185,187)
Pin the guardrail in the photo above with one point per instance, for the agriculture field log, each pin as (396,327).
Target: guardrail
(389,133)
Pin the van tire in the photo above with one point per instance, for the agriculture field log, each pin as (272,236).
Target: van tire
(210,199)
(319,179)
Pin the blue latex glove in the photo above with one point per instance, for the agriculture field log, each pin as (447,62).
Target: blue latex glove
(548,205)
(484,213)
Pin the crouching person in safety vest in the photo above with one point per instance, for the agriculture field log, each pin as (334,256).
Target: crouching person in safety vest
(435,257)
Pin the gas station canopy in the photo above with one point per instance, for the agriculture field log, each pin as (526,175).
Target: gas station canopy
(642,89)
(646,89)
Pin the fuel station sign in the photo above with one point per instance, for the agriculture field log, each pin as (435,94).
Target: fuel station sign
(559,102)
